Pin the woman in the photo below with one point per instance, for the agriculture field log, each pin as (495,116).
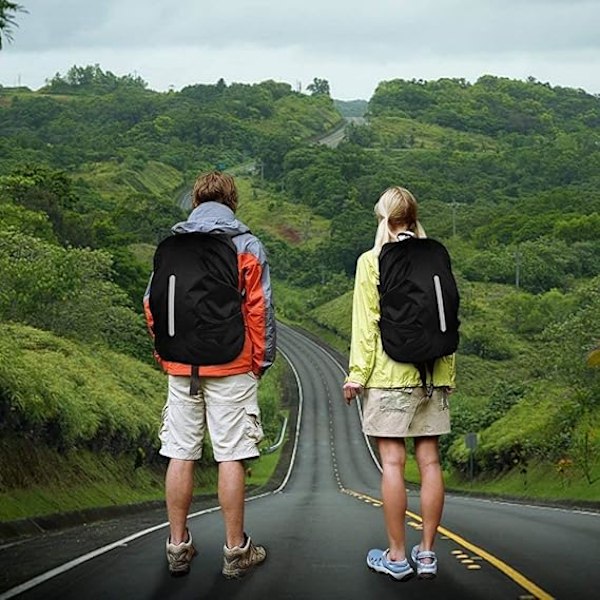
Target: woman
(395,403)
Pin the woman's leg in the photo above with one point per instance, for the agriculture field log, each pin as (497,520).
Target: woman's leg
(393,458)
(432,488)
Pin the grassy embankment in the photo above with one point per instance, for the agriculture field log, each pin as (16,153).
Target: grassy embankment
(80,427)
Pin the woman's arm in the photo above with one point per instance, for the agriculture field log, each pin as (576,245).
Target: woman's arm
(365,322)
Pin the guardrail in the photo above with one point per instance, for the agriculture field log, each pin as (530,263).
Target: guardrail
(279,439)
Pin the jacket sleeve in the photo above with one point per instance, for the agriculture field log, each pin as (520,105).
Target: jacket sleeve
(365,322)
(150,319)
(147,312)
(259,311)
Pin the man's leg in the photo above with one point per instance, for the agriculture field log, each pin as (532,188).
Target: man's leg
(231,499)
(393,490)
(233,418)
(179,486)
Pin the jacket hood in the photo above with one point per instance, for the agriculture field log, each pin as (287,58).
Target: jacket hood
(211,217)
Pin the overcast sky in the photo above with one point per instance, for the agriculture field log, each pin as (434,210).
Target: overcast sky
(352,44)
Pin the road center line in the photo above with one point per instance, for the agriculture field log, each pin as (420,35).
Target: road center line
(509,571)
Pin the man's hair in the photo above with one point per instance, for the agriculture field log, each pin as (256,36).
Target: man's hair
(215,187)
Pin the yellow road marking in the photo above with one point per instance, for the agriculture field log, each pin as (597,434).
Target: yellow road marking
(513,574)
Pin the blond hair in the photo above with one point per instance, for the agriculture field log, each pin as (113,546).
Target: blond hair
(215,187)
(396,207)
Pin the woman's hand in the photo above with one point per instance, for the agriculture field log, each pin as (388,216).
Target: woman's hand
(351,390)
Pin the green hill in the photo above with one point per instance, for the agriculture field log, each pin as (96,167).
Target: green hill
(507,175)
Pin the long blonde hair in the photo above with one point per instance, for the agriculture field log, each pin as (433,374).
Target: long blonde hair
(396,206)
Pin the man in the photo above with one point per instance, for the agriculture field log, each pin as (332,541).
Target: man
(226,403)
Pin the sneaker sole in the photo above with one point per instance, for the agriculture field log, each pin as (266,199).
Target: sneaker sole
(238,574)
(386,572)
(427,575)
(241,573)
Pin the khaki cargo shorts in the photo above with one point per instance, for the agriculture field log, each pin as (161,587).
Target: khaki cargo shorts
(405,412)
(225,406)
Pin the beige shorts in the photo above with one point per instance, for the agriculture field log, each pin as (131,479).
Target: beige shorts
(226,406)
(405,412)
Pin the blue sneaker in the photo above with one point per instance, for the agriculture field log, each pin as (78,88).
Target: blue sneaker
(425,570)
(379,562)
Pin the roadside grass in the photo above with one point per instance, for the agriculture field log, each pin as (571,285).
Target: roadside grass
(260,471)
(79,427)
(82,480)
(541,481)
(60,482)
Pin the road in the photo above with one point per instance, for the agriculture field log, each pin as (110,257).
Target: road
(337,136)
(319,525)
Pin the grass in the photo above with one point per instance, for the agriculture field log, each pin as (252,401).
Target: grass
(116,181)
(263,210)
(78,480)
(68,443)
(40,480)
(409,133)
(260,471)
(541,481)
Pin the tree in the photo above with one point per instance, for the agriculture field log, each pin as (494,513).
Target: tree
(319,87)
(7,19)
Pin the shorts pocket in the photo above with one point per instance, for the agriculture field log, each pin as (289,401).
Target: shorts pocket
(395,401)
(254,430)
(163,422)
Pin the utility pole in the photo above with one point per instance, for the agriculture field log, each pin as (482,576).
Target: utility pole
(454,205)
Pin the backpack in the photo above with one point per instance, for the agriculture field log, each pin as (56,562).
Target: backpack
(419,303)
(195,301)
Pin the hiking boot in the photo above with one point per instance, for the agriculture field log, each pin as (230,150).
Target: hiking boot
(378,561)
(237,561)
(179,556)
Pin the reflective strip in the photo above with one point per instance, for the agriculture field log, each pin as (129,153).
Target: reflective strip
(440,302)
(171,306)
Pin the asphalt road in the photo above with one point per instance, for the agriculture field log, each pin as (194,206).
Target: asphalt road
(320,524)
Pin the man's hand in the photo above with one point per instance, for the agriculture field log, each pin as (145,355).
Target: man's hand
(351,390)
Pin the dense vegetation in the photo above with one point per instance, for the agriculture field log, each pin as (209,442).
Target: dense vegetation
(507,175)
(94,169)
(93,172)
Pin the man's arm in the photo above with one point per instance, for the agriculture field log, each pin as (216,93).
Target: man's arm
(259,311)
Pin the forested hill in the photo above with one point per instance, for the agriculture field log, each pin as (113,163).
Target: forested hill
(92,167)
(100,159)
(507,174)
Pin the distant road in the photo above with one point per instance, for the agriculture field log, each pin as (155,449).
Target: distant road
(334,138)
(319,525)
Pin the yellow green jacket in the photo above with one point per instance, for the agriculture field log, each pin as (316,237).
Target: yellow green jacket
(369,364)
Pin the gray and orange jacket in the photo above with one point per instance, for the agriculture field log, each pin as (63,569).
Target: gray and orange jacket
(258,352)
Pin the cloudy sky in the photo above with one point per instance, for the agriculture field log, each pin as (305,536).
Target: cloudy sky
(353,44)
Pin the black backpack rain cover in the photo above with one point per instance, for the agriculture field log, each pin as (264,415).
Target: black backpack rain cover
(195,301)
(419,301)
